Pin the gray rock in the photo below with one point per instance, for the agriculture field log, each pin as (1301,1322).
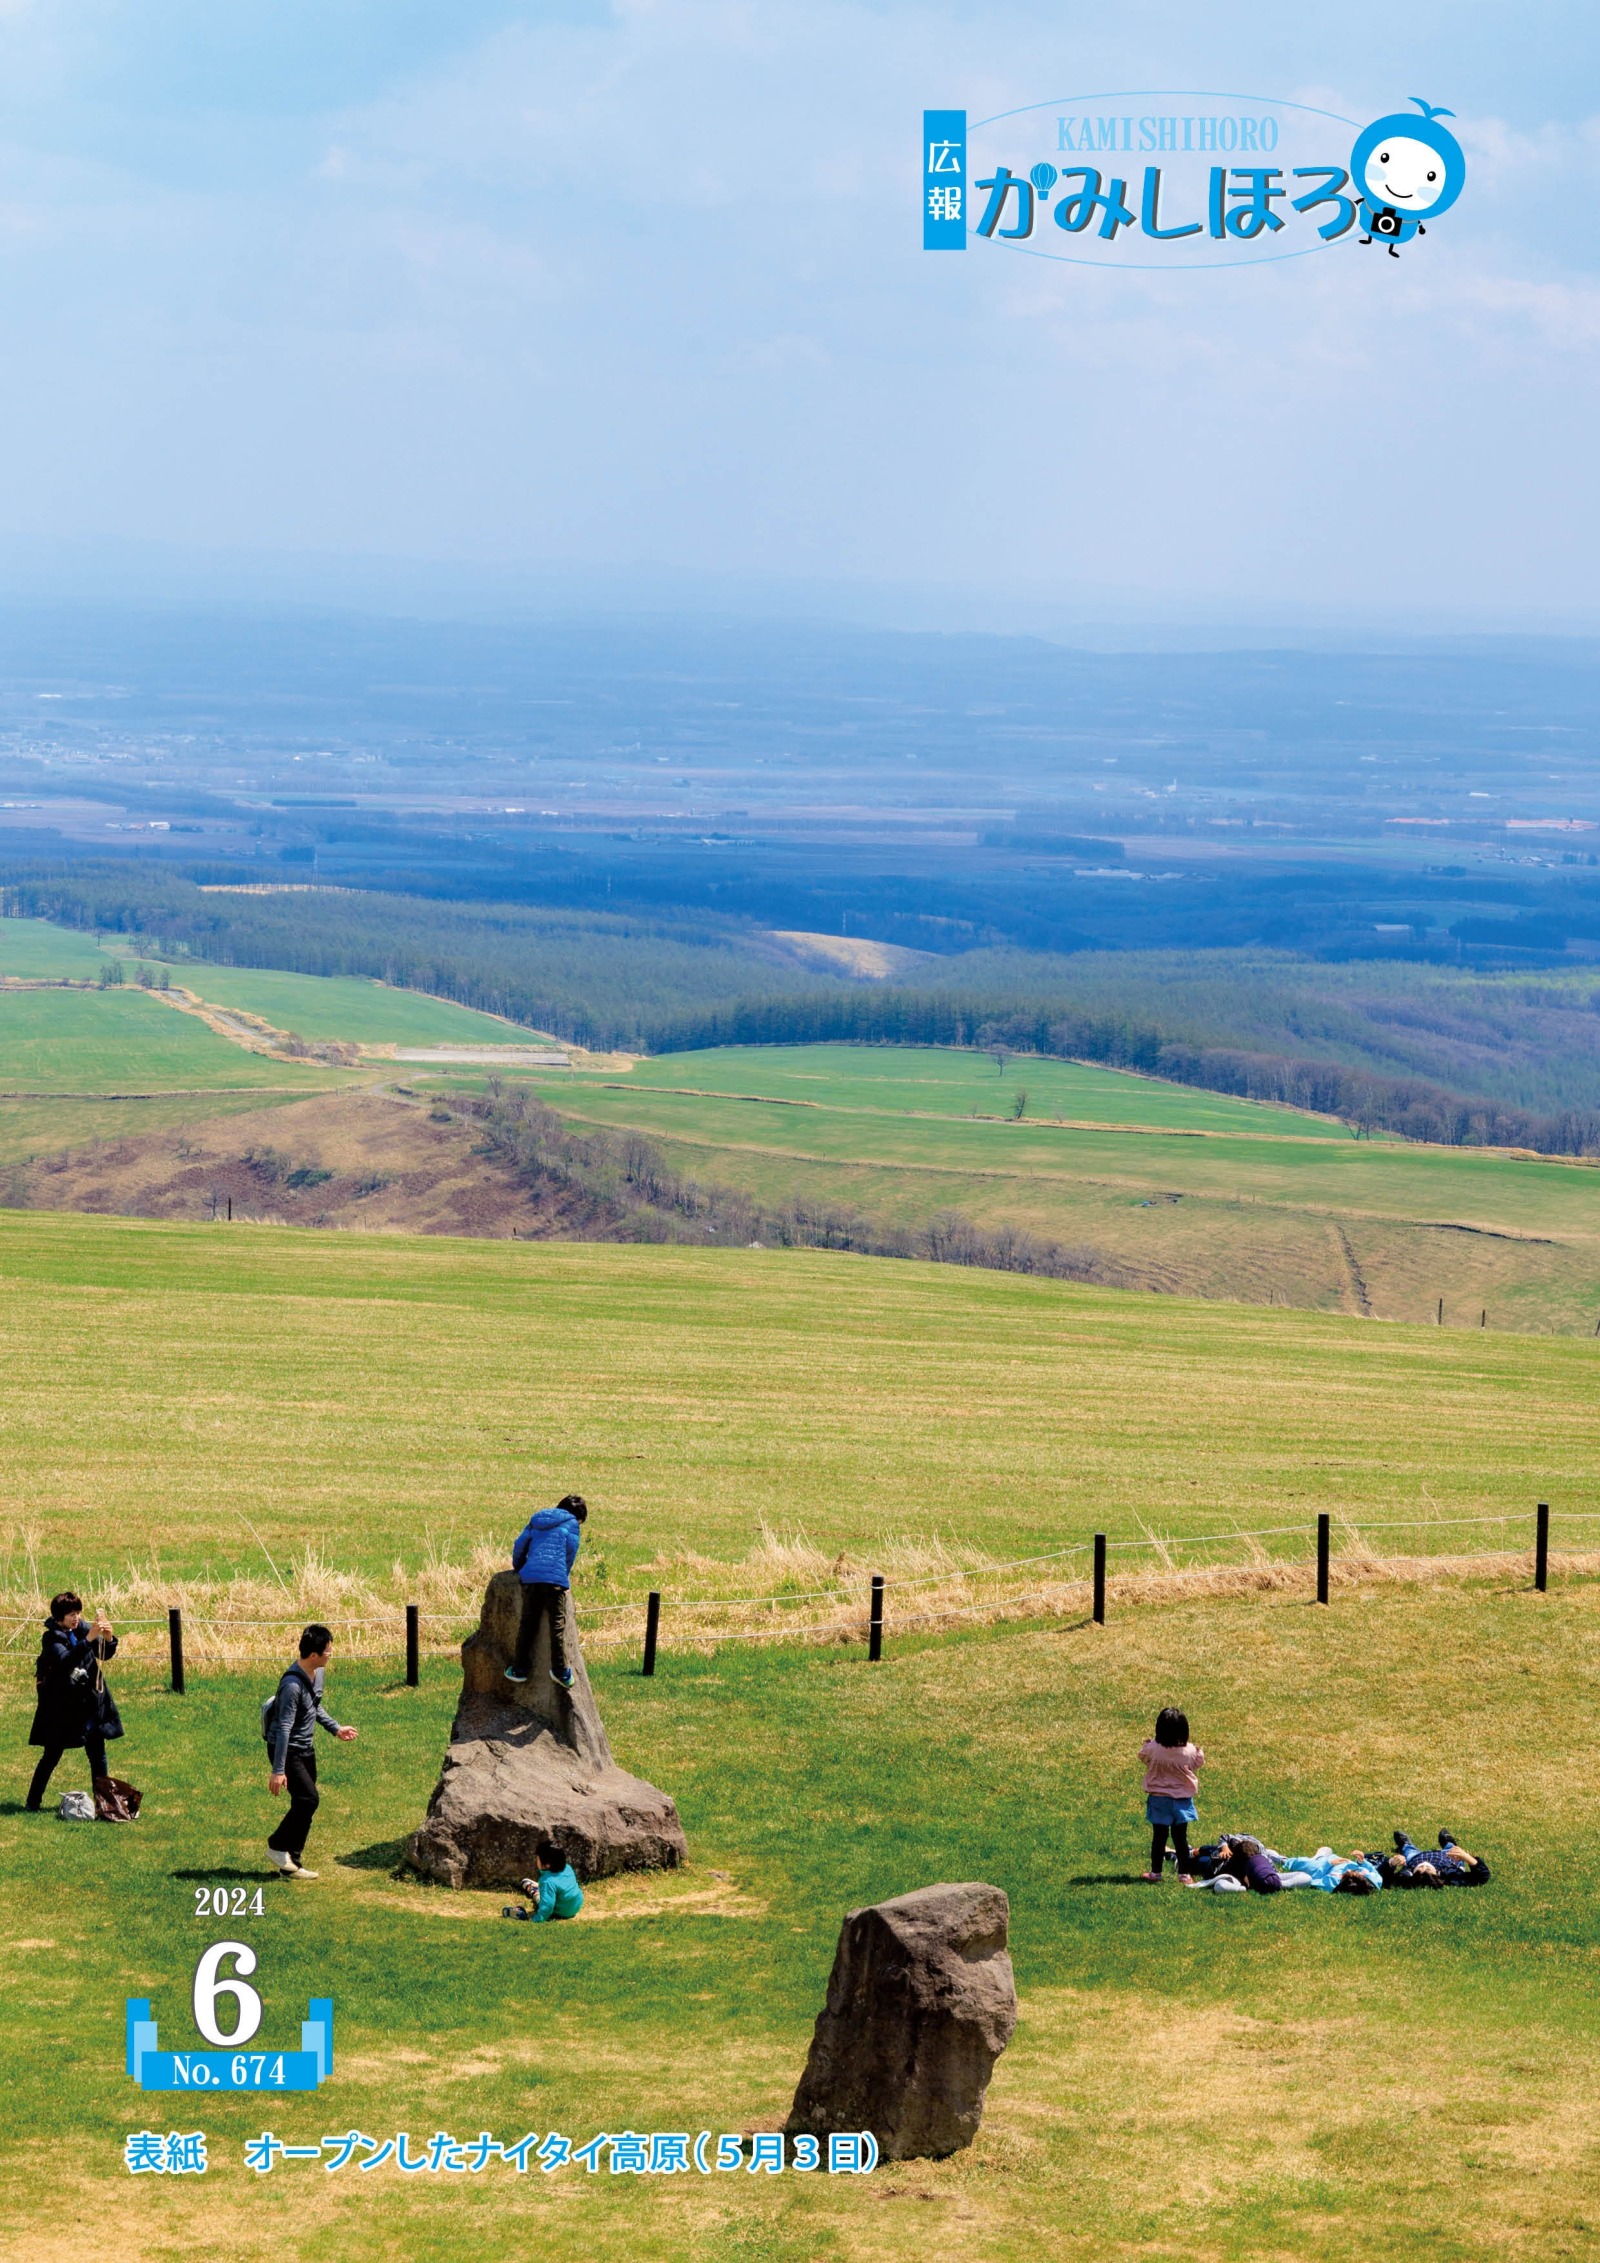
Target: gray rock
(921,2003)
(528,1761)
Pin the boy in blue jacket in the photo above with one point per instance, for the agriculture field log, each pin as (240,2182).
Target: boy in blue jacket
(545,1551)
(555,1892)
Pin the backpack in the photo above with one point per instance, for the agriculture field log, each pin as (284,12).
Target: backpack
(269,1710)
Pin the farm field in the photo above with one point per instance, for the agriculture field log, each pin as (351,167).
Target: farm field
(38,950)
(317,1007)
(168,1388)
(926,1080)
(359,1401)
(124,1041)
(1290,1209)
(323,1006)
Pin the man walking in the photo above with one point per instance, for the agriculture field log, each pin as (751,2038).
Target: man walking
(289,1722)
(545,1551)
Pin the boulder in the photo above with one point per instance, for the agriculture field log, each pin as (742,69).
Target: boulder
(529,1761)
(921,2003)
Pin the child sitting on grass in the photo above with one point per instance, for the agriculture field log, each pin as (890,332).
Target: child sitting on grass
(555,1892)
(1172,1768)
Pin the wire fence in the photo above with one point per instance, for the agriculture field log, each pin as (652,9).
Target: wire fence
(863,1608)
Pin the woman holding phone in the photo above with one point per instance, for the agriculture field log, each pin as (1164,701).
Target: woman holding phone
(75,1707)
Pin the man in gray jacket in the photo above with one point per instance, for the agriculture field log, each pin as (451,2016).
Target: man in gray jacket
(290,1723)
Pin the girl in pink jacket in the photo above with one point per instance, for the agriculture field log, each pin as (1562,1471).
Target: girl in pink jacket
(1172,1768)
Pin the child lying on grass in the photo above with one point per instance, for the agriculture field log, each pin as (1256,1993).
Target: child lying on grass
(1444,1865)
(1333,1873)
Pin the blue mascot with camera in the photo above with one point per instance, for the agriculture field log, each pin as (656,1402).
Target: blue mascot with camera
(1406,170)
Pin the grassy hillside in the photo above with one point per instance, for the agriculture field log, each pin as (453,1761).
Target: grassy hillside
(1268,1205)
(945,1082)
(318,1007)
(114,1041)
(375,1399)
(36,949)
(1323,2070)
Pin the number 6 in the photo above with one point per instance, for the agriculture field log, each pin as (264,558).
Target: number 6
(207,1988)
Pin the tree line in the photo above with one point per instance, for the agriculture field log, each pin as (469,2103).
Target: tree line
(643,983)
(1361,1098)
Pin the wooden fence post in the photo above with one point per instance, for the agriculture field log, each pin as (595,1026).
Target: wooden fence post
(1099,1579)
(411,1646)
(1322,1557)
(875,1623)
(175,1643)
(1541,1548)
(652,1627)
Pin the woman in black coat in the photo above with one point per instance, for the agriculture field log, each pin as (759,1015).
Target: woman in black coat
(75,1707)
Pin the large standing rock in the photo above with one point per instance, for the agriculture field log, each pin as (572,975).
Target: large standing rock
(528,1761)
(921,2002)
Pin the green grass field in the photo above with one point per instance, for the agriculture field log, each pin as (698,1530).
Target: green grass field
(1269,1205)
(372,1398)
(36,949)
(318,1007)
(351,1009)
(1303,2078)
(124,1041)
(936,1081)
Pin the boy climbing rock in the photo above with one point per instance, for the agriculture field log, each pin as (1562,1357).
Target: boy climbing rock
(545,1551)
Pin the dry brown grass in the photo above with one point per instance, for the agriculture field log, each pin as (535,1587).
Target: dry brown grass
(785,1589)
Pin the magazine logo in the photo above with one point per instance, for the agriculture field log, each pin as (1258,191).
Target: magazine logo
(1182,180)
(230,2065)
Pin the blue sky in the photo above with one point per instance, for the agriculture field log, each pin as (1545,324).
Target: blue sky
(631,295)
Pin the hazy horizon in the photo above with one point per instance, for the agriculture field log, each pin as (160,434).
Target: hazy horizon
(380,305)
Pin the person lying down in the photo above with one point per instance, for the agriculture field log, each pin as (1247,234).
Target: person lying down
(1333,1873)
(1240,1863)
(1447,1864)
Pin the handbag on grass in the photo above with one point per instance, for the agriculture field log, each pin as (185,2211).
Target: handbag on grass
(76,1807)
(116,1801)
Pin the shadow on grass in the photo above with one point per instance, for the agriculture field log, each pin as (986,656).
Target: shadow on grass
(1108,1878)
(388,1855)
(207,1877)
(18,1807)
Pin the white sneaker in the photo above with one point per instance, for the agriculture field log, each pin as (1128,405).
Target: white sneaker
(300,1871)
(281,1861)
(513,1676)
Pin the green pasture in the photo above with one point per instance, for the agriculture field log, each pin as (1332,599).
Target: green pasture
(926,1080)
(1300,2078)
(348,1008)
(167,1388)
(124,1041)
(42,952)
(319,1008)
(1265,1205)
(1321,1165)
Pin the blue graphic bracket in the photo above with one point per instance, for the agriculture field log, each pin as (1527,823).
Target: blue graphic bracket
(306,2069)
